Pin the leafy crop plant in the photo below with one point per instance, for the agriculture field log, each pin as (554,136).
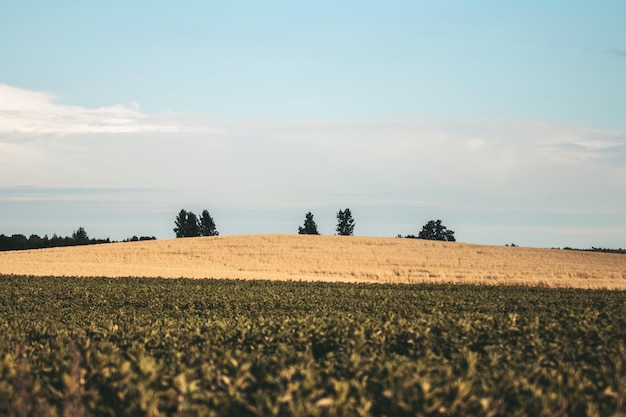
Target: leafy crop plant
(158,347)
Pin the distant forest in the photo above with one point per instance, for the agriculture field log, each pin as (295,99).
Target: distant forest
(79,237)
(605,250)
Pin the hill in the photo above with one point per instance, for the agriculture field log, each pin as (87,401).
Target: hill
(325,258)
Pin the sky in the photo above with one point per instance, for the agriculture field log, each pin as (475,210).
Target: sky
(506,120)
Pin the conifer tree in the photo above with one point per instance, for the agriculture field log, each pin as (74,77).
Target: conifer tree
(207,225)
(345,223)
(309,228)
(192,226)
(80,236)
(181,224)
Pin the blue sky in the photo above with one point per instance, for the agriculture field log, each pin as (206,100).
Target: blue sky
(505,120)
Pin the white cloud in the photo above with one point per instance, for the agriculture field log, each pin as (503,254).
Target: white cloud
(49,143)
(26,111)
(427,166)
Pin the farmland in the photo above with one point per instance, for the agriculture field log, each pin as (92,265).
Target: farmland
(326,258)
(408,332)
(131,346)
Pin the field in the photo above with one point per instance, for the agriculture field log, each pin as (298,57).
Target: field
(311,326)
(155,347)
(326,258)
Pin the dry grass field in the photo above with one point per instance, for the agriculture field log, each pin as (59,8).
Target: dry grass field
(325,258)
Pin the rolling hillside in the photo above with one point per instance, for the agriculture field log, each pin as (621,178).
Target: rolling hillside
(325,258)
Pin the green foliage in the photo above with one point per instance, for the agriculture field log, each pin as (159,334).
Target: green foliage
(118,347)
(80,236)
(181,224)
(187,224)
(309,228)
(207,225)
(434,230)
(345,223)
(21,242)
(192,226)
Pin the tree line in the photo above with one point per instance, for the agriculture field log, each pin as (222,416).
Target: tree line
(345,224)
(21,242)
(34,241)
(187,224)
(433,230)
(594,249)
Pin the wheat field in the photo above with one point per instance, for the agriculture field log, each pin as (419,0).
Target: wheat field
(325,258)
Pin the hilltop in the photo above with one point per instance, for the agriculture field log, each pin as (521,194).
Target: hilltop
(325,258)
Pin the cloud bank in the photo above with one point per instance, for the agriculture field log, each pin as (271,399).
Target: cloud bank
(26,111)
(474,171)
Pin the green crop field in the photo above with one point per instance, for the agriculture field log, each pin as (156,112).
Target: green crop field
(158,347)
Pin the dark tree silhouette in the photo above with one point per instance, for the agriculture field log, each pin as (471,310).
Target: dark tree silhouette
(21,242)
(309,228)
(345,223)
(181,224)
(207,225)
(80,236)
(193,226)
(434,230)
(188,225)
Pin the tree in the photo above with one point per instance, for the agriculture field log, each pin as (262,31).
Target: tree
(19,241)
(181,224)
(80,236)
(345,223)
(309,228)
(434,230)
(35,242)
(207,225)
(192,226)
(188,225)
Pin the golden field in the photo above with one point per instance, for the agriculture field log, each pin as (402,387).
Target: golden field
(325,258)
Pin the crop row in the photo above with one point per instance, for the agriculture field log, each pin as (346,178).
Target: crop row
(113,347)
